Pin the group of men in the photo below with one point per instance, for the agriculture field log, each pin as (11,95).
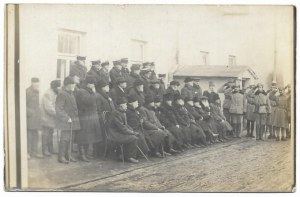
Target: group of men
(131,113)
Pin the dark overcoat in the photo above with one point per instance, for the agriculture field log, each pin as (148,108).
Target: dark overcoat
(132,78)
(79,71)
(33,111)
(114,74)
(90,131)
(116,92)
(187,91)
(66,107)
(140,96)
(104,75)
(94,73)
(281,113)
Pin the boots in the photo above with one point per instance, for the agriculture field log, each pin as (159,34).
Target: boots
(257,132)
(238,129)
(45,144)
(83,154)
(62,151)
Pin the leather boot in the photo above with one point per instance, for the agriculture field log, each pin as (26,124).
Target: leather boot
(82,154)
(45,144)
(62,152)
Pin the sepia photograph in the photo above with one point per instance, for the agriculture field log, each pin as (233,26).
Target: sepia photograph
(149,98)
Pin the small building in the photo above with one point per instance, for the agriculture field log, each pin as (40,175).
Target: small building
(217,74)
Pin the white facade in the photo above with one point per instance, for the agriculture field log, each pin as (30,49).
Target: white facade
(168,35)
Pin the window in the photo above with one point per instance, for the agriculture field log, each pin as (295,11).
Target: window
(231,60)
(138,51)
(69,44)
(204,56)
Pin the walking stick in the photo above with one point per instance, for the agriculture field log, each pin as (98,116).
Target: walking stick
(71,141)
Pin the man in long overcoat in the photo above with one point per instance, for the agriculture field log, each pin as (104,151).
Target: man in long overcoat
(121,133)
(188,91)
(95,70)
(33,113)
(134,75)
(90,131)
(115,72)
(103,72)
(137,91)
(67,119)
(119,90)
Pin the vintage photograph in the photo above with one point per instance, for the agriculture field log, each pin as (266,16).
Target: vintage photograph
(149,98)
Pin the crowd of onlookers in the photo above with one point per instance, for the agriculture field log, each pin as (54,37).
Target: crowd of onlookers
(132,113)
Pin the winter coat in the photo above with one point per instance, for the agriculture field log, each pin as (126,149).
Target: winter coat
(119,131)
(250,114)
(48,109)
(238,103)
(197,90)
(116,92)
(281,114)
(131,79)
(157,92)
(79,71)
(168,117)
(33,112)
(115,73)
(171,91)
(125,74)
(139,95)
(104,75)
(262,103)
(93,72)
(150,119)
(146,83)
(211,96)
(187,91)
(90,131)
(182,115)
(66,107)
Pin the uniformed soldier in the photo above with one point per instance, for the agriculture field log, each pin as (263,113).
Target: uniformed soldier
(197,88)
(33,113)
(153,74)
(95,70)
(49,117)
(281,115)
(210,93)
(121,133)
(237,109)
(104,74)
(115,72)
(188,91)
(125,70)
(262,107)
(250,114)
(67,119)
(270,118)
(78,68)
(134,75)
(227,101)
(119,90)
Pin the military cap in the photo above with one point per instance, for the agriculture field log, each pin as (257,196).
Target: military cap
(145,64)
(168,97)
(149,99)
(35,80)
(143,72)
(177,97)
(68,80)
(55,83)
(124,60)
(116,63)
(121,100)
(151,63)
(82,58)
(188,79)
(90,79)
(174,83)
(102,83)
(260,85)
(196,79)
(131,99)
(95,62)
(105,63)
(273,83)
(135,67)
(161,75)
(157,99)
(120,80)
(137,82)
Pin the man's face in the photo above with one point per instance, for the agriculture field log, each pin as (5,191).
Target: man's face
(218,101)
(70,87)
(76,79)
(35,86)
(180,102)
(197,104)
(152,68)
(123,85)
(151,104)
(190,83)
(157,104)
(119,67)
(106,67)
(174,87)
(140,88)
(156,85)
(148,74)
(123,107)
(197,82)
(90,85)
(191,103)
(134,104)
(105,88)
(124,65)
(212,88)
(81,62)
(97,66)
(137,72)
(260,88)
(169,102)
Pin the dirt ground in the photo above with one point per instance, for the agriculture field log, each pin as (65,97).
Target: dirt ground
(240,165)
